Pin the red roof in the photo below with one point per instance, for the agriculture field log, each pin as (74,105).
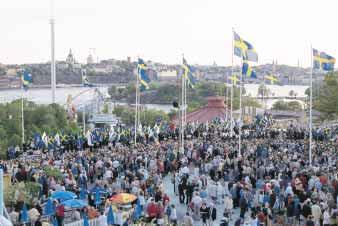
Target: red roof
(214,109)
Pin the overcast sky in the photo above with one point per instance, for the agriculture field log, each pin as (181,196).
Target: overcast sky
(161,30)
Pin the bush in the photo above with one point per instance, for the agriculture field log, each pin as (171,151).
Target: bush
(52,172)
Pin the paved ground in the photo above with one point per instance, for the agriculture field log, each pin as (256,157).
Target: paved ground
(181,208)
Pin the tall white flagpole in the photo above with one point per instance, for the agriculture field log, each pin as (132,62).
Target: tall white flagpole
(232,83)
(240,114)
(182,115)
(185,105)
(22,119)
(53,71)
(310,119)
(226,96)
(263,93)
(84,120)
(136,106)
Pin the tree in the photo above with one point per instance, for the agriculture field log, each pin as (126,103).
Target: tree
(281,105)
(327,101)
(294,106)
(147,117)
(112,91)
(38,119)
(105,109)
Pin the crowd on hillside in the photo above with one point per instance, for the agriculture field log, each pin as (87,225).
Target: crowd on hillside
(269,183)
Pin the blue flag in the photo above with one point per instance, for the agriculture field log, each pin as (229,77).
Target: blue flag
(26,79)
(247,70)
(188,74)
(244,49)
(142,75)
(323,61)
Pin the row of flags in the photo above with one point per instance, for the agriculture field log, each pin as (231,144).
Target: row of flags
(27,79)
(242,49)
(144,80)
(247,53)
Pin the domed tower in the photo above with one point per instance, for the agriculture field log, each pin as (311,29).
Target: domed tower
(70,58)
(90,59)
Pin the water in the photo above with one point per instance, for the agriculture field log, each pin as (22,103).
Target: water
(83,95)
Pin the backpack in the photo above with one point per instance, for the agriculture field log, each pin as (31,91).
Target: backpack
(168,211)
(60,211)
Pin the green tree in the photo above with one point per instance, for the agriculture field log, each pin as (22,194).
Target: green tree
(287,106)
(294,106)
(38,118)
(280,105)
(327,101)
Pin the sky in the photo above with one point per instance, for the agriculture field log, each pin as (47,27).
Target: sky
(163,30)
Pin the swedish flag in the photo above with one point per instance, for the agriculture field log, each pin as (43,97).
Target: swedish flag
(244,49)
(272,78)
(142,75)
(234,79)
(323,61)
(188,74)
(247,70)
(26,79)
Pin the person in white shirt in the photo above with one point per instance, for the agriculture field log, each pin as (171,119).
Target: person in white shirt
(77,215)
(173,215)
(103,220)
(326,218)
(119,217)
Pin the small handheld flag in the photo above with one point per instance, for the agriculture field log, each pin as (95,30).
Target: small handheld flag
(142,74)
(26,79)
(323,61)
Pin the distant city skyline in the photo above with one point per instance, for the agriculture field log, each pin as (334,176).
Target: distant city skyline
(162,30)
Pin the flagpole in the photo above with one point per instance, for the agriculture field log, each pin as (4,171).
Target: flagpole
(185,106)
(84,120)
(22,119)
(310,119)
(240,113)
(136,106)
(182,111)
(263,94)
(226,96)
(52,31)
(232,83)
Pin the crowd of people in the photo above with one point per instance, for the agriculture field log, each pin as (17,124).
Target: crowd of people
(209,182)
